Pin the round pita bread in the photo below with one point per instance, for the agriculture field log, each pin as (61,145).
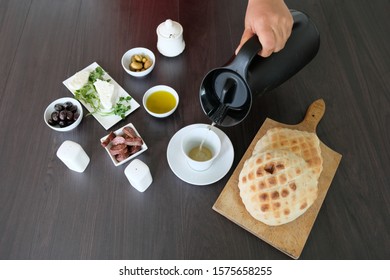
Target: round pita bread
(302,143)
(277,186)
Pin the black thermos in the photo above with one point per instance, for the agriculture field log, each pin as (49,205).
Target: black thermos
(226,93)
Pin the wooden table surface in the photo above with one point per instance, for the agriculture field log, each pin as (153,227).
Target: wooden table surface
(50,212)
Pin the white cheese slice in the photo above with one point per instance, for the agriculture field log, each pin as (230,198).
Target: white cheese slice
(79,80)
(107,94)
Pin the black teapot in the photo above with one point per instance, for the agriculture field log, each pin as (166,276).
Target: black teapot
(226,93)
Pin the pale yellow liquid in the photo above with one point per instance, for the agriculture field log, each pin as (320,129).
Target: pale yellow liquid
(160,102)
(200,153)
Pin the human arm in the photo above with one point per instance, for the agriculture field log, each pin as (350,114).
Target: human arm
(271,21)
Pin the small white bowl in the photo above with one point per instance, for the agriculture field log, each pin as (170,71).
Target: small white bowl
(119,132)
(126,58)
(154,89)
(50,109)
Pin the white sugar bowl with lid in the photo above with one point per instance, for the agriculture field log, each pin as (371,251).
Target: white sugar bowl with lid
(170,40)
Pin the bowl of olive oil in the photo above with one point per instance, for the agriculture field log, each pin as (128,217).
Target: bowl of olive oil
(160,101)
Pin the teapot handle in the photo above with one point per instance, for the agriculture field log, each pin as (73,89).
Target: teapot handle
(244,57)
(300,48)
(265,74)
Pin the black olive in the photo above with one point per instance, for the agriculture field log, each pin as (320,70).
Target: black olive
(73,108)
(62,123)
(69,115)
(51,122)
(58,107)
(76,116)
(63,115)
(55,116)
(68,105)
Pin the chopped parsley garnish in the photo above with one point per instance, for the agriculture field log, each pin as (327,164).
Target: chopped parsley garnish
(90,96)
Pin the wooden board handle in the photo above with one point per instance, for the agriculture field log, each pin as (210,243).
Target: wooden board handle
(314,114)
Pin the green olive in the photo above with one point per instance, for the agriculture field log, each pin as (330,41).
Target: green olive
(136,66)
(140,62)
(147,64)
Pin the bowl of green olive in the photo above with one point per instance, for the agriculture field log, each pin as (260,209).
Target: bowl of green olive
(138,62)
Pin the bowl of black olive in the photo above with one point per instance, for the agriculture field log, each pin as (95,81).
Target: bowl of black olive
(63,114)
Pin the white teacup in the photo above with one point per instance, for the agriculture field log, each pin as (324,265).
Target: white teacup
(201,146)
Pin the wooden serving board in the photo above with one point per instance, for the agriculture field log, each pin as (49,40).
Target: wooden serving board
(289,238)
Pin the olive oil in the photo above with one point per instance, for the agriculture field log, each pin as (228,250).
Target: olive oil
(160,102)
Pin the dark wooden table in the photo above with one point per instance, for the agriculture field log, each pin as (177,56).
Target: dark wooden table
(50,212)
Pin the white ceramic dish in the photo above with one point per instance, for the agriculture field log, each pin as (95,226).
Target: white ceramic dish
(50,109)
(106,121)
(160,88)
(181,169)
(120,132)
(126,58)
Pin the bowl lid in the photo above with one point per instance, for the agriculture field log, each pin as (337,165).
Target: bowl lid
(169,29)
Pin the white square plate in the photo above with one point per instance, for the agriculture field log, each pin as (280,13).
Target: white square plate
(105,121)
(120,132)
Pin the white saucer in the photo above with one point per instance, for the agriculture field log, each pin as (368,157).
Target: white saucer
(217,171)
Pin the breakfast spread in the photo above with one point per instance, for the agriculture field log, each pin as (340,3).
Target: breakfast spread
(279,182)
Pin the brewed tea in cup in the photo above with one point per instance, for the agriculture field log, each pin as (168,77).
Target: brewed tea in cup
(200,147)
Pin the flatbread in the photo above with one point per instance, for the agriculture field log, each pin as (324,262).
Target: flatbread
(277,186)
(302,143)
